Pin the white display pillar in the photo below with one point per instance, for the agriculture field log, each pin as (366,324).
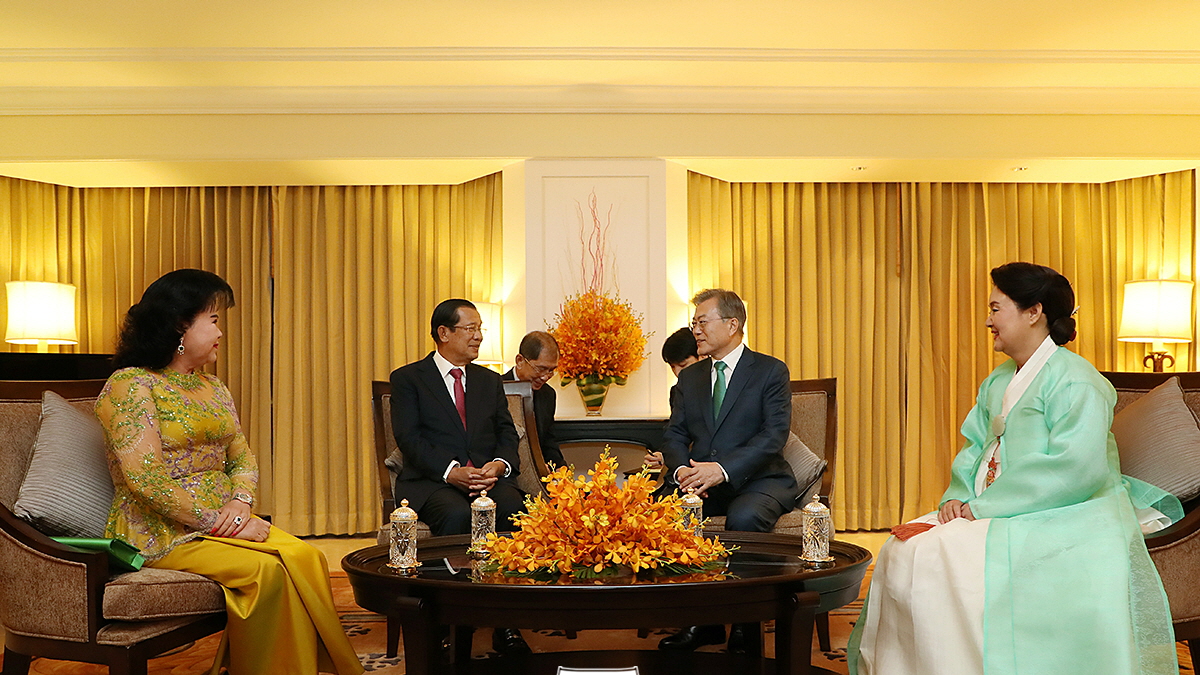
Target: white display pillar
(643,204)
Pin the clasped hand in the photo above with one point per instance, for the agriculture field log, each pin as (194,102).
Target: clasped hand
(954,509)
(700,476)
(235,521)
(474,480)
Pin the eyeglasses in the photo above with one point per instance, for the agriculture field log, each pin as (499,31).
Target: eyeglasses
(701,323)
(471,328)
(543,371)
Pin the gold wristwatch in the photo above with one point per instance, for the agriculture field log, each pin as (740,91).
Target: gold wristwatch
(244,498)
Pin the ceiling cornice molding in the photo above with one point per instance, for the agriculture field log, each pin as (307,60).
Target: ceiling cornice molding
(708,54)
(599,99)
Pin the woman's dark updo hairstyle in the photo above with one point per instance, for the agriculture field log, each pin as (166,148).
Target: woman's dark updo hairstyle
(1027,284)
(152,328)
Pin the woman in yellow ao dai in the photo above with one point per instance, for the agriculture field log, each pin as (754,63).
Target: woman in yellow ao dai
(185,481)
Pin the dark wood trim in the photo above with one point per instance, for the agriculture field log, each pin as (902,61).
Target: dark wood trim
(386,489)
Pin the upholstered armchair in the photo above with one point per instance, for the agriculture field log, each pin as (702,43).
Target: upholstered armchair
(1151,451)
(65,603)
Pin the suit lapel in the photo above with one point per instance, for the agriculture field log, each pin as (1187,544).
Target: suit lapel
(477,397)
(704,391)
(741,375)
(437,389)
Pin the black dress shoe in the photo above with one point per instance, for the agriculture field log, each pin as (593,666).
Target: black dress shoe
(508,641)
(692,637)
(738,635)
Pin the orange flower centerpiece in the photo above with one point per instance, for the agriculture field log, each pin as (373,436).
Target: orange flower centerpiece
(600,338)
(590,528)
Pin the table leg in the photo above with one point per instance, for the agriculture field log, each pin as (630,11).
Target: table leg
(393,636)
(754,639)
(794,632)
(463,636)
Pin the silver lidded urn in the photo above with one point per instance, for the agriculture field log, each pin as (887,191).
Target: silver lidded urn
(402,549)
(483,523)
(693,512)
(817,531)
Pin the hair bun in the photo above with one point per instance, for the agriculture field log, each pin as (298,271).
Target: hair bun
(1062,330)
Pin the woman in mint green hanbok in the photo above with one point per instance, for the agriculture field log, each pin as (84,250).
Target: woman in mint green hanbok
(1035,561)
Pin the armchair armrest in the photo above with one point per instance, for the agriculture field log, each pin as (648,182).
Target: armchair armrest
(48,589)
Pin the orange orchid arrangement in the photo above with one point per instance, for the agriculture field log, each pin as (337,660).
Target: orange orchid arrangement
(590,527)
(600,338)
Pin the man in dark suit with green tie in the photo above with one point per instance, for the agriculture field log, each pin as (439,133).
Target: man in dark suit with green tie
(729,423)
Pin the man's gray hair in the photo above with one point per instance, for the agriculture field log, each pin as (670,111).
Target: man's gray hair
(535,342)
(729,305)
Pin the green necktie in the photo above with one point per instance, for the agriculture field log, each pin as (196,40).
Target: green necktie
(719,388)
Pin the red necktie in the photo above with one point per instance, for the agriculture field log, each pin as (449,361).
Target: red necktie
(460,395)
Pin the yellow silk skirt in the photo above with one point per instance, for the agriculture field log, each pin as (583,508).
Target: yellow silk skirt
(281,614)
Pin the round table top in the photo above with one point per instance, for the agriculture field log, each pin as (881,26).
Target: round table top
(770,558)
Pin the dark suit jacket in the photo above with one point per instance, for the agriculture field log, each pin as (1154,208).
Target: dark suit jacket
(748,434)
(545,400)
(431,435)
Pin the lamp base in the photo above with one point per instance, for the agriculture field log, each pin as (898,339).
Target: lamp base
(1156,359)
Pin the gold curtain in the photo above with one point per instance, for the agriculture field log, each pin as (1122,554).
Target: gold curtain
(358,272)
(883,286)
(112,243)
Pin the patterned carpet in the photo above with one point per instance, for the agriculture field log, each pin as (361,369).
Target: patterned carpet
(367,633)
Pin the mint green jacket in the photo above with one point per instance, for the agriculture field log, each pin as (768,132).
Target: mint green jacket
(1069,585)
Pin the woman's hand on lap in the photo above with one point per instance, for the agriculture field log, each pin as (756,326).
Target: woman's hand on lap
(954,509)
(256,529)
(231,518)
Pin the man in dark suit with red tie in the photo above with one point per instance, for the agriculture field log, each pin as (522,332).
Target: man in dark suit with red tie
(453,427)
(729,422)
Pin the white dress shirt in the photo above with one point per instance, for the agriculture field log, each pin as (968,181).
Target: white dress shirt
(731,360)
(444,367)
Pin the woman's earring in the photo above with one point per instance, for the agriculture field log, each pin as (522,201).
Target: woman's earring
(179,349)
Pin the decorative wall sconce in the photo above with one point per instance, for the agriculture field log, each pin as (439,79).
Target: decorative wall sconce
(1157,311)
(41,313)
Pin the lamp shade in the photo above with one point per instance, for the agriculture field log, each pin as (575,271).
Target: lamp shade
(491,351)
(41,312)
(1158,310)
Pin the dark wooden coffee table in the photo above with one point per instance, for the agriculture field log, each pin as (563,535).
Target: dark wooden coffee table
(768,582)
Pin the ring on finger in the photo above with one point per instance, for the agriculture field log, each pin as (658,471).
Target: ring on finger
(237,520)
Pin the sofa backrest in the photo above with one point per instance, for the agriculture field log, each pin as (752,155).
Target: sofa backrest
(20,416)
(1132,386)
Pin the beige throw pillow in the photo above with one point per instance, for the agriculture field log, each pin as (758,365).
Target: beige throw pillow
(805,463)
(1159,441)
(68,490)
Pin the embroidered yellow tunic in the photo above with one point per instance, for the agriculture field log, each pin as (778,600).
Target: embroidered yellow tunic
(176,453)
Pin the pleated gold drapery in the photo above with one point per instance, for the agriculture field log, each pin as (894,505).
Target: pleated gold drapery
(358,273)
(884,287)
(112,243)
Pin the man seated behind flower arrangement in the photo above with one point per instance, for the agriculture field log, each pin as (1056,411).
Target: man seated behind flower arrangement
(729,423)
(679,352)
(536,361)
(453,427)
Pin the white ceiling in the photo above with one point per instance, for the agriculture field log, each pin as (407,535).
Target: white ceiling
(154,92)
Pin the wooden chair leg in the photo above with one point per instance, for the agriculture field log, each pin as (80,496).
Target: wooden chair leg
(643,633)
(822,625)
(127,664)
(572,634)
(1193,648)
(16,664)
(393,636)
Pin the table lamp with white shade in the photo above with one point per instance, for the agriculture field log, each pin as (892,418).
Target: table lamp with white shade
(1159,312)
(41,313)
(491,351)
